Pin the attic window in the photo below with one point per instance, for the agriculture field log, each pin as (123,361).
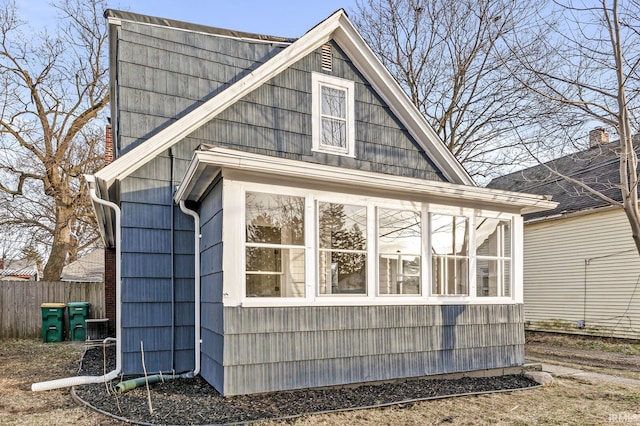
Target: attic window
(327,57)
(333,111)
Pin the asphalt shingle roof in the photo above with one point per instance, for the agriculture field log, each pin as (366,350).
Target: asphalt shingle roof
(597,167)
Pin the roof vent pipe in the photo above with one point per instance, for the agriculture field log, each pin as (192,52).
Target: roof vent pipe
(597,137)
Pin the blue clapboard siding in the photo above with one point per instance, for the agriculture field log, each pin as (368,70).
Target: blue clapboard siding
(157,309)
(288,348)
(211,287)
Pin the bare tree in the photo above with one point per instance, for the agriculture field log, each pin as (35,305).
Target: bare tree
(587,67)
(449,56)
(53,85)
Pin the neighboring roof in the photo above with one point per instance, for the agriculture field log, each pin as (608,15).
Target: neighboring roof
(88,268)
(208,161)
(21,268)
(336,27)
(597,167)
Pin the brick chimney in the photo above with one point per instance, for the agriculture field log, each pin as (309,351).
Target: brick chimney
(598,137)
(109,252)
(108,145)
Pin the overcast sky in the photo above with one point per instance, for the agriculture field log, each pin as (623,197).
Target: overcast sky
(286,18)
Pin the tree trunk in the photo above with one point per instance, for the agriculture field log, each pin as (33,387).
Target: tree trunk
(634,222)
(61,244)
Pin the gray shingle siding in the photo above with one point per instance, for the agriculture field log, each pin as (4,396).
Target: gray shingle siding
(299,347)
(211,287)
(163,73)
(275,119)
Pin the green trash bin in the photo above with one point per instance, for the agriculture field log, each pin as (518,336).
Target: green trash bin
(78,312)
(52,322)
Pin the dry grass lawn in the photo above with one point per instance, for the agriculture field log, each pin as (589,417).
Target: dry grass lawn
(568,401)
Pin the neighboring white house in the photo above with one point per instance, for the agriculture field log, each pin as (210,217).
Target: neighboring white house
(581,267)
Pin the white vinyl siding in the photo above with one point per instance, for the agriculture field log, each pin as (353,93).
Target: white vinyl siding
(561,256)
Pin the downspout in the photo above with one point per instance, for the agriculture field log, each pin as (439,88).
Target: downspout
(173,270)
(196,278)
(84,380)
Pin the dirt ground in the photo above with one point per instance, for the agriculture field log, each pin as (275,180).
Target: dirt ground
(568,401)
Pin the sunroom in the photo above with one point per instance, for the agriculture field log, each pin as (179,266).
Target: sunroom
(298,233)
(316,275)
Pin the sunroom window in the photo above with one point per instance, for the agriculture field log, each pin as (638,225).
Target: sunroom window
(342,249)
(399,248)
(333,111)
(493,257)
(274,248)
(450,255)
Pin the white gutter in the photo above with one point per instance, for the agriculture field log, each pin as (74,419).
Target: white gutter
(196,299)
(84,380)
(197,179)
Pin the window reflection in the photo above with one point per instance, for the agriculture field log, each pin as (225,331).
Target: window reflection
(399,247)
(450,248)
(342,248)
(274,227)
(493,251)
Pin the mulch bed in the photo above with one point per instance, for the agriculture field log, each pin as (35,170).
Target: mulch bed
(194,401)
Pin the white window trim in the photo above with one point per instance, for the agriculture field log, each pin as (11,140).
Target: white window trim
(423,276)
(369,247)
(500,258)
(234,194)
(319,80)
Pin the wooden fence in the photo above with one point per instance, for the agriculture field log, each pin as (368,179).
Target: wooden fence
(20,314)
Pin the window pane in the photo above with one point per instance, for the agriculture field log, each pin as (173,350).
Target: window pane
(342,226)
(450,275)
(493,277)
(264,259)
(506,278)
(334,133)
(274,219)
(493,237)
(450,235)
(274,272)
(263,285)
(334,102)
(342,273)
(399,245)
(399,274)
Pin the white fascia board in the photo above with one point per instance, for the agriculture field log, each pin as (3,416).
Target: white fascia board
(388,88)
(164,139)
(193,185)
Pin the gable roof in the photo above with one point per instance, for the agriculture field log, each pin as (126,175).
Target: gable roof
(336,27)
(88,268)
(597,167)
